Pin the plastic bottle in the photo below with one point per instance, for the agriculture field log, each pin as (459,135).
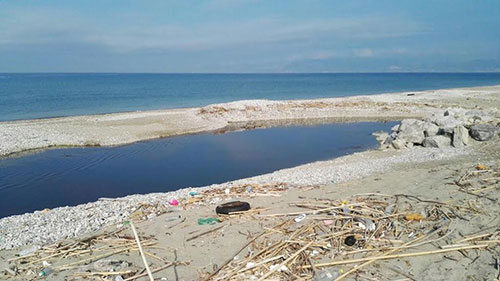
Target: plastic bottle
(45,272)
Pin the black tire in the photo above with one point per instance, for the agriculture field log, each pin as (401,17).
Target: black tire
(231,207)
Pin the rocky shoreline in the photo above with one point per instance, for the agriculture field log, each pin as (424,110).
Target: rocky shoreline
(453,128)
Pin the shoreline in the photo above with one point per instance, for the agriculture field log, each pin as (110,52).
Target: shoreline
(250,115)
(112,129)
(50,225)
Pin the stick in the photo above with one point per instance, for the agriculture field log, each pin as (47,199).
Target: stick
(477,195)
(285,261)
(385,254)
(153,271)
(151,278)
(260,263)
(102,273)
(63,267)
(398,256)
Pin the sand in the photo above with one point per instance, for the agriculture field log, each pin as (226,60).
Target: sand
(426,173)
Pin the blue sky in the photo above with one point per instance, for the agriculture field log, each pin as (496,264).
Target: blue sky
(249,36)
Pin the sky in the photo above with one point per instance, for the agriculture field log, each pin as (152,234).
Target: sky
(243,36)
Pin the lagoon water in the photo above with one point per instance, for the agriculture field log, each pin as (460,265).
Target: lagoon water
(26,96)
(71,176)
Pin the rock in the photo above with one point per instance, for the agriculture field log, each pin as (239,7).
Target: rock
(430,129)
(398,144)
(405,123)
(395,128)
(482,132)
(447,122)
(437,141)
(411,130)
(381,136)
(460,136)
(412,134)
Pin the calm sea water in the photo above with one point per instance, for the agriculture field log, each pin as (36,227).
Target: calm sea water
(63,177)
(25,96)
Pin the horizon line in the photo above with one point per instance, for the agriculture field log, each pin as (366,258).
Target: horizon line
(333,72)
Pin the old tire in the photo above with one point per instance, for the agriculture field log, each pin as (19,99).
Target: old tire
(231,207)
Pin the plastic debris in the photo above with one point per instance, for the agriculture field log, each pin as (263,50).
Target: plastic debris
(345,208)
(172,218)
(481,167)
(250,264)
(328,275)
(173,202)
(328,222)
(350,240)
(210,221)
(414,217)
(194,193)
(45,272)
(300,218)
(29,251)
(367,224)
(281,269)
(389,209)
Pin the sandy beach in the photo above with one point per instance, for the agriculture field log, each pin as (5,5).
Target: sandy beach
(453,188)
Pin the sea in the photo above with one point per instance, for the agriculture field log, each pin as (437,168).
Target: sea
(43,95)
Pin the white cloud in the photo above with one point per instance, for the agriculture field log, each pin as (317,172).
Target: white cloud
(363,53)
(44,26)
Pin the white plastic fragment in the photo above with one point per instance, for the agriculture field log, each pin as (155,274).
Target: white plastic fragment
(300,218)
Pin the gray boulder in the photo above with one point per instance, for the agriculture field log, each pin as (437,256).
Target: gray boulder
(411,130)
(405,123)
(460,136)
(482,132)
(437,141)
(430,129)
(398,144)
(412,134)
(381,136)
(447,123)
